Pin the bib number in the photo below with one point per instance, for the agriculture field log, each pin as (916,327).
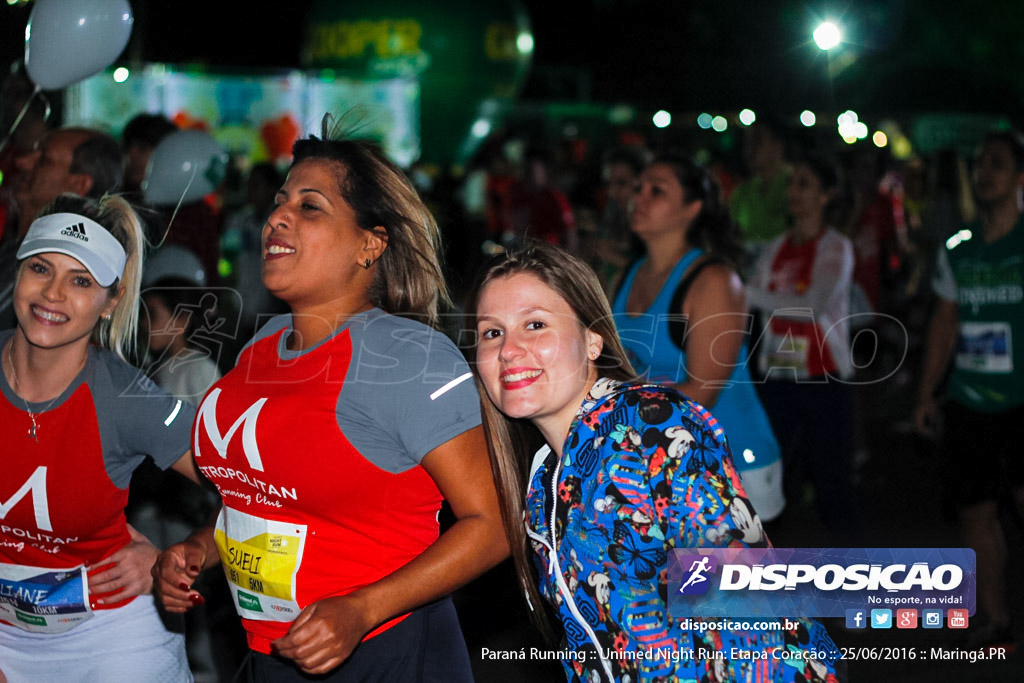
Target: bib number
(788,346)
(44,600)
(985,347)
(261,559)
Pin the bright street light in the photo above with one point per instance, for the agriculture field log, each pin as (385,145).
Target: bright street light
(827,36)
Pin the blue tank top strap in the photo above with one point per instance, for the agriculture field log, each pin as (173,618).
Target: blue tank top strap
(668,290)
(661,302)
(619,303)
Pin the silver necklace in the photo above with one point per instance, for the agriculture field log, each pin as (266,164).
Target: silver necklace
(32,432)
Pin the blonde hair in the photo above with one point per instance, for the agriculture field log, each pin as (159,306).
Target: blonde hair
(113,212)
(512,442)
(409,280)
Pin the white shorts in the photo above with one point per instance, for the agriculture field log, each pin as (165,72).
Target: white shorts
(764,489)
(127,643)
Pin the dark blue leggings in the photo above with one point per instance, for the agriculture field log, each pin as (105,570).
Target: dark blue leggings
(425,647)
(813,422)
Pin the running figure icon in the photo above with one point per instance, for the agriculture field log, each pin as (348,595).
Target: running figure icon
(697,570)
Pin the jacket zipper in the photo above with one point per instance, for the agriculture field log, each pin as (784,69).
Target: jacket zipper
(555,568)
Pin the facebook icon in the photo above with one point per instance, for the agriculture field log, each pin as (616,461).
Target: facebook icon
(855,618)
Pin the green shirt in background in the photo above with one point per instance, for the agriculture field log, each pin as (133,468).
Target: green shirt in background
(987,281)
(760,208)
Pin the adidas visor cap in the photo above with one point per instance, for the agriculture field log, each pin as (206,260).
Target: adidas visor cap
(80,238)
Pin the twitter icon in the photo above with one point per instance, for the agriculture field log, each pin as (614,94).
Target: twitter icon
(881,618)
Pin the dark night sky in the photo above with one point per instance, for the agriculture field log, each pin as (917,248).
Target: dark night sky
(903,54)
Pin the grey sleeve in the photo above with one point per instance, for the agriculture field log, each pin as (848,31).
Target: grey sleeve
(137,419)
(415,386)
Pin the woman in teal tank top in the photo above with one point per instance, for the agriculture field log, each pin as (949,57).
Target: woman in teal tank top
(681,312)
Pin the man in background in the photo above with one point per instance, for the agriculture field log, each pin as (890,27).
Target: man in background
(759,204)
(978,324)
(80,161)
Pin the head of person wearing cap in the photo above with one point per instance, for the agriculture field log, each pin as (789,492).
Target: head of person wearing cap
(79,269)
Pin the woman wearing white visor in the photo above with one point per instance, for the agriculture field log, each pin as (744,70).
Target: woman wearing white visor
(75,420)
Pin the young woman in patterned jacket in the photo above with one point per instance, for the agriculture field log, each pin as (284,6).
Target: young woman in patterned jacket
(623,473)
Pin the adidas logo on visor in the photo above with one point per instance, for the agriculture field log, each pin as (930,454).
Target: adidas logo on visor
(77,231)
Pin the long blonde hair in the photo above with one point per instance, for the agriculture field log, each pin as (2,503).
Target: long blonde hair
(113,212)
(512,442)
(409,280)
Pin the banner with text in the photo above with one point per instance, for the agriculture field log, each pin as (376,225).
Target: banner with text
(817,582)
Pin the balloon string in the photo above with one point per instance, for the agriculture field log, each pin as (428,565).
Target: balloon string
(24,110)
(184,192)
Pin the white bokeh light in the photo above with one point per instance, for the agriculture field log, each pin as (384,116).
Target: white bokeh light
(827,35)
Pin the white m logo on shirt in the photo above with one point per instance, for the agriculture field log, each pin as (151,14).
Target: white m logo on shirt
(36,483)
(207,417)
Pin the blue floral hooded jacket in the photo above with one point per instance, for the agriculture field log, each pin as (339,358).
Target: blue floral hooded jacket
(645,470)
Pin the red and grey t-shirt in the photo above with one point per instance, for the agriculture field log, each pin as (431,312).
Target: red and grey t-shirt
(63,493)
(316,455)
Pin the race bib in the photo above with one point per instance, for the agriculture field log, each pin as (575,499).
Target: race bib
(787,348)
(261,558)
(43,600)
(985,347)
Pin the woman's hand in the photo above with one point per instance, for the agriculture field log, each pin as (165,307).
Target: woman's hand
(126,573)
(926,418)
(325,634)
(174,572)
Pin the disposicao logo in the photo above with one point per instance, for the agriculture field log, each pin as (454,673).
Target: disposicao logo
(818,582)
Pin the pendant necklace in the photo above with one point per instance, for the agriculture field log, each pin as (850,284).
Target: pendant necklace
(32,432)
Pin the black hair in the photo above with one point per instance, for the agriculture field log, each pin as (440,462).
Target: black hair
(823,166)
(179,293)
(713,230)
(147,129)
(99,156)
(773,125)
(629,156)
(268,171)
(829,173)
(1012,139)
(538,153)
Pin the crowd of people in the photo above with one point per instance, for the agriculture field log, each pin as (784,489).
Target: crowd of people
(291,354)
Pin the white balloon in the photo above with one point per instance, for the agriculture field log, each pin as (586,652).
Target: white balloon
(185,166)
(68,40)
(172,260)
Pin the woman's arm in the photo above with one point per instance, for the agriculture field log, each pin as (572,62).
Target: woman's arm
(186,467)
(717,322)
(327,631)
